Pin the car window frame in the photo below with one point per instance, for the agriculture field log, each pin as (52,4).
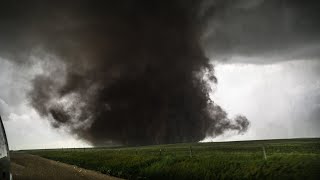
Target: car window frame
(4,137)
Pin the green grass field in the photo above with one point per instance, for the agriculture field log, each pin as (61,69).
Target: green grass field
(286,159)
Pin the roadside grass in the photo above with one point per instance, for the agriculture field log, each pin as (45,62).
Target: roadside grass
(286,159)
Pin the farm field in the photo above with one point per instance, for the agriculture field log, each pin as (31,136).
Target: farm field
(264,159)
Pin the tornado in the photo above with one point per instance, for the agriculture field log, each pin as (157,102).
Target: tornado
(131,72)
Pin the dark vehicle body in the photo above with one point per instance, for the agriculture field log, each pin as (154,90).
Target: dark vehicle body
(4,154)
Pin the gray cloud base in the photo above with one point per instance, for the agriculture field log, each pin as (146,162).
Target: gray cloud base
(277,30)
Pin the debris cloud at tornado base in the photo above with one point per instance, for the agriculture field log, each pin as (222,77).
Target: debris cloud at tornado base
(130,72)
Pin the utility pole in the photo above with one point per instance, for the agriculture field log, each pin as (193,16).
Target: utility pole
(264,153)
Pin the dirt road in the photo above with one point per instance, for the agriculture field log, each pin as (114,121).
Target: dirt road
(26,166)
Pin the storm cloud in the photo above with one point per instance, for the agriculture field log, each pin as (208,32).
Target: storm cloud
(129,72)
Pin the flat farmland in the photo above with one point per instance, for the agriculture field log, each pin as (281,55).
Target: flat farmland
(264,159)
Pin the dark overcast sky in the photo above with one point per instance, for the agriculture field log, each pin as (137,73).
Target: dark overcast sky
(277,29)
(289,28)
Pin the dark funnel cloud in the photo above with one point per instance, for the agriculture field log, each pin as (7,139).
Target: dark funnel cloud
(128,72)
